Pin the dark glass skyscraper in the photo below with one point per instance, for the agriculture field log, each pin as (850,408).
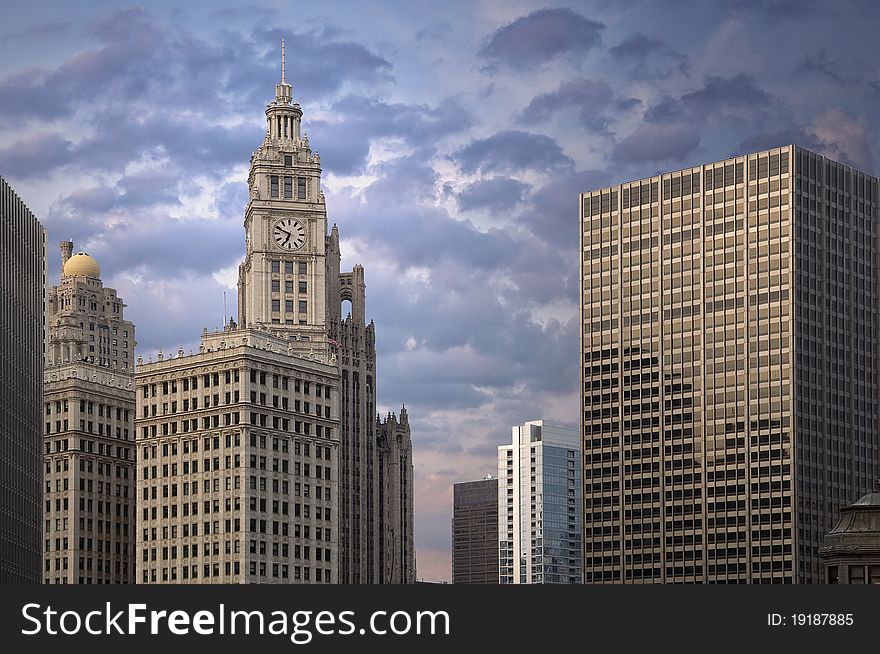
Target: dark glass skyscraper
(730,367)
(475,532)
(22,328)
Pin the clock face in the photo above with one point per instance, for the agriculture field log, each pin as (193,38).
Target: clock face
(289,234)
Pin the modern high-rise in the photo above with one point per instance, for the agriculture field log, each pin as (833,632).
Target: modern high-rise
(88,454)
(308,484)
(539,506)
(731,362)
(475,531)
(22,345)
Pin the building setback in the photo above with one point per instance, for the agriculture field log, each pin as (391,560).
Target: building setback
(290,337)
(22,344)
(731,361)
(89,453)
(475,531)
(539,500)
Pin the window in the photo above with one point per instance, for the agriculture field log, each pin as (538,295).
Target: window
(302,306)
(833,577)
(302,287)
(288,267)
(857,574)
(276,266)
(276,286)
(276,305)
(288,160)
(273,186)
(288,285)
(288,187)
(288,306)
(301,188)
(303,268)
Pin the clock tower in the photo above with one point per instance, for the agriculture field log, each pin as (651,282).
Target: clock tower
(282,280)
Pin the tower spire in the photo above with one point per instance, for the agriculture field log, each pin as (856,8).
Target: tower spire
(283,80)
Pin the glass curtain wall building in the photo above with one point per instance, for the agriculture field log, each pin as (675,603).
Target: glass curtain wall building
(539,498)
(730,367)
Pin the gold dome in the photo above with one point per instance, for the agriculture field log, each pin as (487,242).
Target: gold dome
(82,265)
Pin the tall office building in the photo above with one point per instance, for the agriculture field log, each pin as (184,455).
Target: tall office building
(285,520)
(22,343)
(475,531)
(539,506)
(237,463)
(89,454)
(731,362)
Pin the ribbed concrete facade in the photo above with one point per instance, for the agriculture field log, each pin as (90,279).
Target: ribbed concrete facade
(22,342)
(731,317)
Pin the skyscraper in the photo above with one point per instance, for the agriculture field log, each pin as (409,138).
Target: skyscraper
(89,429)
(22,345)
(539,500)
(307,470)
(475,531)
(731,361)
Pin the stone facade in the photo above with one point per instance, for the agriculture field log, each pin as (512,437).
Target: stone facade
(237,463)
(290,282)
(89,452)
(22,348)
(289,330)
(851,551)
(397,560)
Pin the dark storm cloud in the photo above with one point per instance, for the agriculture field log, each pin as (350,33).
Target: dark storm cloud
(553,214)
(649,56)
(721,94)
(820,64)
(35,156)
(541,36)
(319,62)
(357,121)
(129,39)
(495,194)
(658,142)
(142,60)
(513,150)
(673,127)
(592,98)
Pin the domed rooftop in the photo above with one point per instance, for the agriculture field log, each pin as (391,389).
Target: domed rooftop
(82,265)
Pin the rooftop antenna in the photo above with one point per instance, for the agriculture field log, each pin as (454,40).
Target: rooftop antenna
(224,310)
(283,81)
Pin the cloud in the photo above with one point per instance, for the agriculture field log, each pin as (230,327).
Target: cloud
(541,36)
(496,194)
(657,142)
(590,97)
(673,127)
(719,96)
(513,150)
(35,156)
(357,121)
(649,56)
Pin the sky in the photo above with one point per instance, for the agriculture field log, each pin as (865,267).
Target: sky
(454,138)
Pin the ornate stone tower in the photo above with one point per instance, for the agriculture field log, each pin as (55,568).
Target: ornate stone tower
(291,285)
(89,453)
(281,283)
